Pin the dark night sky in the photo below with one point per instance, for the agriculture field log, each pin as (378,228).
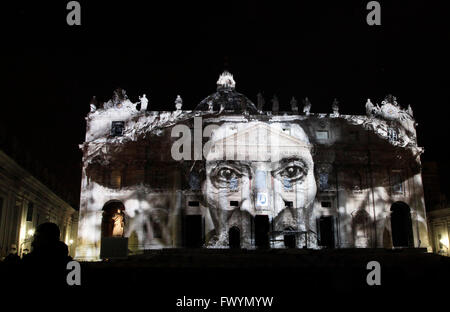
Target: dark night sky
(321,50)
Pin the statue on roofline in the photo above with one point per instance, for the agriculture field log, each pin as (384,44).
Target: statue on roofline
(294,105)
(335,107)
(275,104)
(260,101)
(178,102)
(306,106)
(144,102)
(93,104)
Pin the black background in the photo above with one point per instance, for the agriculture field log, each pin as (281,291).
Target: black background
(319,49)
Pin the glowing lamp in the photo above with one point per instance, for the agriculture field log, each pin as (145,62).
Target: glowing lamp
(444,241)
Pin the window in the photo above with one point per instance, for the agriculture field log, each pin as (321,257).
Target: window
(323,181)
(30,212)
(116,179)
(392,135)
(194,181)
(397,183)
(117,128)
(234,203)
(325,204)
(260,180)
(322,134)
(193,204)
(357,183)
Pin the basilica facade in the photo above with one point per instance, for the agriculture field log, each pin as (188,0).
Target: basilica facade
(230,174)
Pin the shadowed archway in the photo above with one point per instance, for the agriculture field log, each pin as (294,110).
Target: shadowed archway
(401,225)
(361,228)
(234,237)
(289,238)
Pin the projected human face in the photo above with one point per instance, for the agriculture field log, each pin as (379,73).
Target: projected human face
(274,176)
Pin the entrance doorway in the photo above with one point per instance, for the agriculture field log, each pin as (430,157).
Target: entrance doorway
(326,231)
(193,231)
(234,237)
(401,225)
(262,227)
(361,229)
(289,238)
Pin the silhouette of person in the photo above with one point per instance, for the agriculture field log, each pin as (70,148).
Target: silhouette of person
(12,257)
(46,264)
(10,269)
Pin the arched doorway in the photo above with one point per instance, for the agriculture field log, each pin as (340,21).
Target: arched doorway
(401,225)
(113,219)
(361,224)
(234,237)
(289,238)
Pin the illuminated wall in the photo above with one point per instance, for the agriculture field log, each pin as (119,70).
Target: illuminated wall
(24,204)
(439,221)
(329,180)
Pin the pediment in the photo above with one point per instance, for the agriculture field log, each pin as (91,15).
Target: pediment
(257,142)
(262,134)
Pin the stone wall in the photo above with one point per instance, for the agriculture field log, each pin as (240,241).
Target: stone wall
(356,170)
(24,204)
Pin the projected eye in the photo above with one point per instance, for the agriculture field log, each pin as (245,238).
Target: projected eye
(292,171)
(227,174)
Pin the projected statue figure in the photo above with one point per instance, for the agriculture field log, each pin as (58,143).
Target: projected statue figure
(118,224)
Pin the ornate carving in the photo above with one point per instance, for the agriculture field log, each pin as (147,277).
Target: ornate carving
(390,99)
(389,110)
(226,81)
(119,96)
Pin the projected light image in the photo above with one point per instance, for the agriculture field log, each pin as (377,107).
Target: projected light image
(231,174)
(274,177)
